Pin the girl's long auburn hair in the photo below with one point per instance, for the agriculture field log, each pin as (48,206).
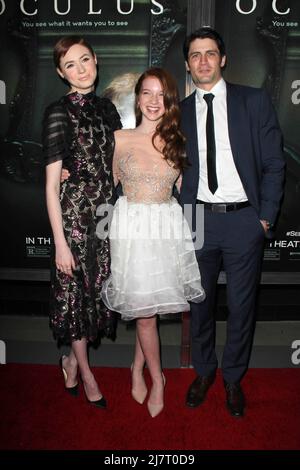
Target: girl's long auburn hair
(168,128)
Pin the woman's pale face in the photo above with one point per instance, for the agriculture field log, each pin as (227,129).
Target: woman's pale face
(151,99)
(78,67)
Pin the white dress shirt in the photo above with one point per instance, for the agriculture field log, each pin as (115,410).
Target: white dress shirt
(230,188)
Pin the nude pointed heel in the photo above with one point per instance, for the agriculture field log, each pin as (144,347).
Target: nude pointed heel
(139,395)
(156,409)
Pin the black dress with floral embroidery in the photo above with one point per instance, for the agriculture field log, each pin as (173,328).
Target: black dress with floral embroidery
(78,129)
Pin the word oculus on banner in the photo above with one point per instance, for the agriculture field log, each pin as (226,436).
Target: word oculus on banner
(254,5)
(63,7)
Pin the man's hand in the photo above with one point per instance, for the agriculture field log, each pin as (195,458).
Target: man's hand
(265,224)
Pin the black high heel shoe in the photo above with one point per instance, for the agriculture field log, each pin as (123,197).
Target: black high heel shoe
(101,403)
(71,390)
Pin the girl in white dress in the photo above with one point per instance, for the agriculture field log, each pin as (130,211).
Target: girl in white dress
(153,264)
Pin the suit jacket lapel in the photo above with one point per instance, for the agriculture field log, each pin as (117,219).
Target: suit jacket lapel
(238,127)
(235,122)
(190,130)
(239,135)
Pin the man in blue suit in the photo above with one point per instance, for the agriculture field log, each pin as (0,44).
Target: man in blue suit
(236,171)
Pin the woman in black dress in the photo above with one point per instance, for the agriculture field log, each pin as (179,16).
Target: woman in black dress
(78,134)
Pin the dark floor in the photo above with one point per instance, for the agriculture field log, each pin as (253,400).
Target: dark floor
(25,334)
(28,339)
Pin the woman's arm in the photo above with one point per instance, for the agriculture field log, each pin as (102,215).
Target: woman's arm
(63,257)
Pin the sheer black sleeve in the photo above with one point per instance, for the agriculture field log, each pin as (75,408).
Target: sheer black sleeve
(55,132)
(110,114)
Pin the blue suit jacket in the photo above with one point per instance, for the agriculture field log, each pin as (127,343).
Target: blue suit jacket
(256,145)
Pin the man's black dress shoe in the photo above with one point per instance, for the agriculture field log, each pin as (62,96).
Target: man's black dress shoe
(198,389)
(235,399)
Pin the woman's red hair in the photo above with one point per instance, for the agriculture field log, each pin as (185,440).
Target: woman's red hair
(63,45)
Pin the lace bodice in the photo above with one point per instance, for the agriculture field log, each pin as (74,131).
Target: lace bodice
(78,129)
(145,180)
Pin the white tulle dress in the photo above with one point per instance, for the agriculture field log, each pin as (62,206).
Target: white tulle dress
(153,264)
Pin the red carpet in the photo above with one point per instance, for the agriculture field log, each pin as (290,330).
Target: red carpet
(36,413)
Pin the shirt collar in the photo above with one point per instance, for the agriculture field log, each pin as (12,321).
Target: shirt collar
(219,89)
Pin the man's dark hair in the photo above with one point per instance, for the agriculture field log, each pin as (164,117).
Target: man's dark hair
(202,33)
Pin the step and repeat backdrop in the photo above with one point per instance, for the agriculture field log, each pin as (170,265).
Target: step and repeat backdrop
(263,50)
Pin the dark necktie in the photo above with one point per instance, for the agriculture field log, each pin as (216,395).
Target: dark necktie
(211,144)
